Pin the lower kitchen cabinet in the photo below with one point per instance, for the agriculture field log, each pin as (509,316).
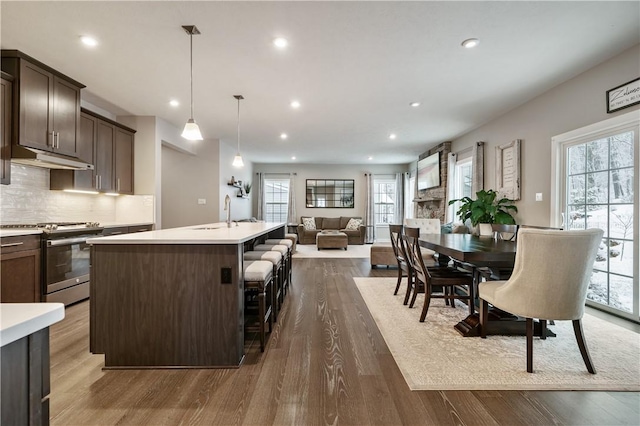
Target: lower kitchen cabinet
(118,230)
(20,269)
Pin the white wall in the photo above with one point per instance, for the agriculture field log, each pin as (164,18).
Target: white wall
(570,105)
(328,171)
(241,208)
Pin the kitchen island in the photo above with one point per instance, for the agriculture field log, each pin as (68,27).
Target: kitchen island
(173,297)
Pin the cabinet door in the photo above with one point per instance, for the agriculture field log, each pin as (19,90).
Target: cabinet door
(66,114)
(84,179)
(36,93)
(124,161)
(105,139)
(5,131)
(20,277)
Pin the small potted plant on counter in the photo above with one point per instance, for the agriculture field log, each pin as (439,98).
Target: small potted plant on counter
(485,210)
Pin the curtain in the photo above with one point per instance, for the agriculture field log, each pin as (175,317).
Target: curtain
(261,201)
(409,195)
(450,214)
(369,210)
(399,207)
(291,205)
(478,168)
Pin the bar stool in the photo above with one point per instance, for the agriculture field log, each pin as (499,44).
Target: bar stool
(289,244)
(294,239)
(284,251)
(277,264)
(258,281)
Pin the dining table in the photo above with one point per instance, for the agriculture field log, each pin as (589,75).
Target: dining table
(485,257)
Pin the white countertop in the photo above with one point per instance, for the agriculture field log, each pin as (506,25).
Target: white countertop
(18,320)
(18,231)
(199,234)
(119,224)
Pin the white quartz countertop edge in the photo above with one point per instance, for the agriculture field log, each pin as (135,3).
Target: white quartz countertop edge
(18,320)
(18,232)
(119,224)
(211,233)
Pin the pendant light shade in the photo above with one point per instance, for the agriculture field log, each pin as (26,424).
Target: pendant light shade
(237,160)
(191,130)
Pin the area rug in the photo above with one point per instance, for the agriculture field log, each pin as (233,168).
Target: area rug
(352,251)
(434,356)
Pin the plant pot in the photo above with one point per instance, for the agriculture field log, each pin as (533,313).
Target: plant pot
(486,230)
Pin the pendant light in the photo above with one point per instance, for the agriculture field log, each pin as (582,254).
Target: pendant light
(237,160)
(191,130)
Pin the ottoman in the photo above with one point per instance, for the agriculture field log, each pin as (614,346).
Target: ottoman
(382,254)
(331,239)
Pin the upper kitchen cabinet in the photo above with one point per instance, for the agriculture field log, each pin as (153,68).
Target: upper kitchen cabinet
(106,144)
(46,106)
(6,90)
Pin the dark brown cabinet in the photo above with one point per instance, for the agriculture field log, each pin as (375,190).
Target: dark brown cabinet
(6,96)
(26,383)
(106,144)
(118,230)
(20,269)
(46,105)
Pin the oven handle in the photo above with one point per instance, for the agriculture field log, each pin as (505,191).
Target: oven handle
(66,241)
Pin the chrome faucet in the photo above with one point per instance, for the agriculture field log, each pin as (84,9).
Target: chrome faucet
(227,208)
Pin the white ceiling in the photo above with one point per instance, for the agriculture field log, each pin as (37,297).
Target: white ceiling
(354,66)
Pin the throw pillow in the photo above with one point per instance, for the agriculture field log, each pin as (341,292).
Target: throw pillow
(353,224)
(309,223)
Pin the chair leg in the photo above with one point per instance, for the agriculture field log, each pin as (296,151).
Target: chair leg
(529,345)
(261,314)
(415,293)
(543,329)
(445,290)
(399,280)
(484,318)
(410,284)
(582,344)
(452,295)
(427,302)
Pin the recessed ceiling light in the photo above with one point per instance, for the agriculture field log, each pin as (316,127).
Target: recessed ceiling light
(295,104)
(392,136)
(370,158)
(283,136)
(89,41)
(174,103)
(415,104)
(280,42)
(293,158)
(470,43)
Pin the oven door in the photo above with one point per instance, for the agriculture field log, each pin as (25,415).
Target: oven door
(66,263)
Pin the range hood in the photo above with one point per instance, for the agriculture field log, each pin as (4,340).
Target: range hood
(48,160)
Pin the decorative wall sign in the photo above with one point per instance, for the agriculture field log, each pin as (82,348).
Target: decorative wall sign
(508,170)
(623,96)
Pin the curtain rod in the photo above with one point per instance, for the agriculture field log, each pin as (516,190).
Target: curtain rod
(269,173)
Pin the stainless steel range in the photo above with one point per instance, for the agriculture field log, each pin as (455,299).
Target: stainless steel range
(65,259)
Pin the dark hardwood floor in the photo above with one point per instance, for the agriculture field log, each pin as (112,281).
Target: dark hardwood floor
(325,363)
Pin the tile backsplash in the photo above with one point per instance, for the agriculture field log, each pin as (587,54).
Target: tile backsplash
(29,200)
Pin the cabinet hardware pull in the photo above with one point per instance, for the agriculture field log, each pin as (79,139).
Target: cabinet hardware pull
(97,183)
(57,139)
(118,184)
(52,138)
(12,244)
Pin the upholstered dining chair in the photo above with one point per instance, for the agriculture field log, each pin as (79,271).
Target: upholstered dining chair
(549,282)
(404,269)
(448,278)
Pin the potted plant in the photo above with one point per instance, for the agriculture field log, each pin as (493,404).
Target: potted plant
(485,209)
(247,188)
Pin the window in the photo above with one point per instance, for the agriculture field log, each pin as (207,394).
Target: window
(596,182)
(276,198)
(462,183)
(384,198)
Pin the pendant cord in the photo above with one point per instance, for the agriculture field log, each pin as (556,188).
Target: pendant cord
(238,126)
(191,66)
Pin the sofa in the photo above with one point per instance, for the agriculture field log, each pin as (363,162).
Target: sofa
(308,236)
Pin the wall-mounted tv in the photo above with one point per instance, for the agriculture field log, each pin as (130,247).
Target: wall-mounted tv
(429,172)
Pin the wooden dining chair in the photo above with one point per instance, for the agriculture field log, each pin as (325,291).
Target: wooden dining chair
(550,278)
(506,232)
(404,268)
(448,278)
(415,287)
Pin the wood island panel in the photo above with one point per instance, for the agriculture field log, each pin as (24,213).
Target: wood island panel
(164,305)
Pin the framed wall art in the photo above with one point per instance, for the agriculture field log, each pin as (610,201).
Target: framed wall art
(508,170)
(623,96)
